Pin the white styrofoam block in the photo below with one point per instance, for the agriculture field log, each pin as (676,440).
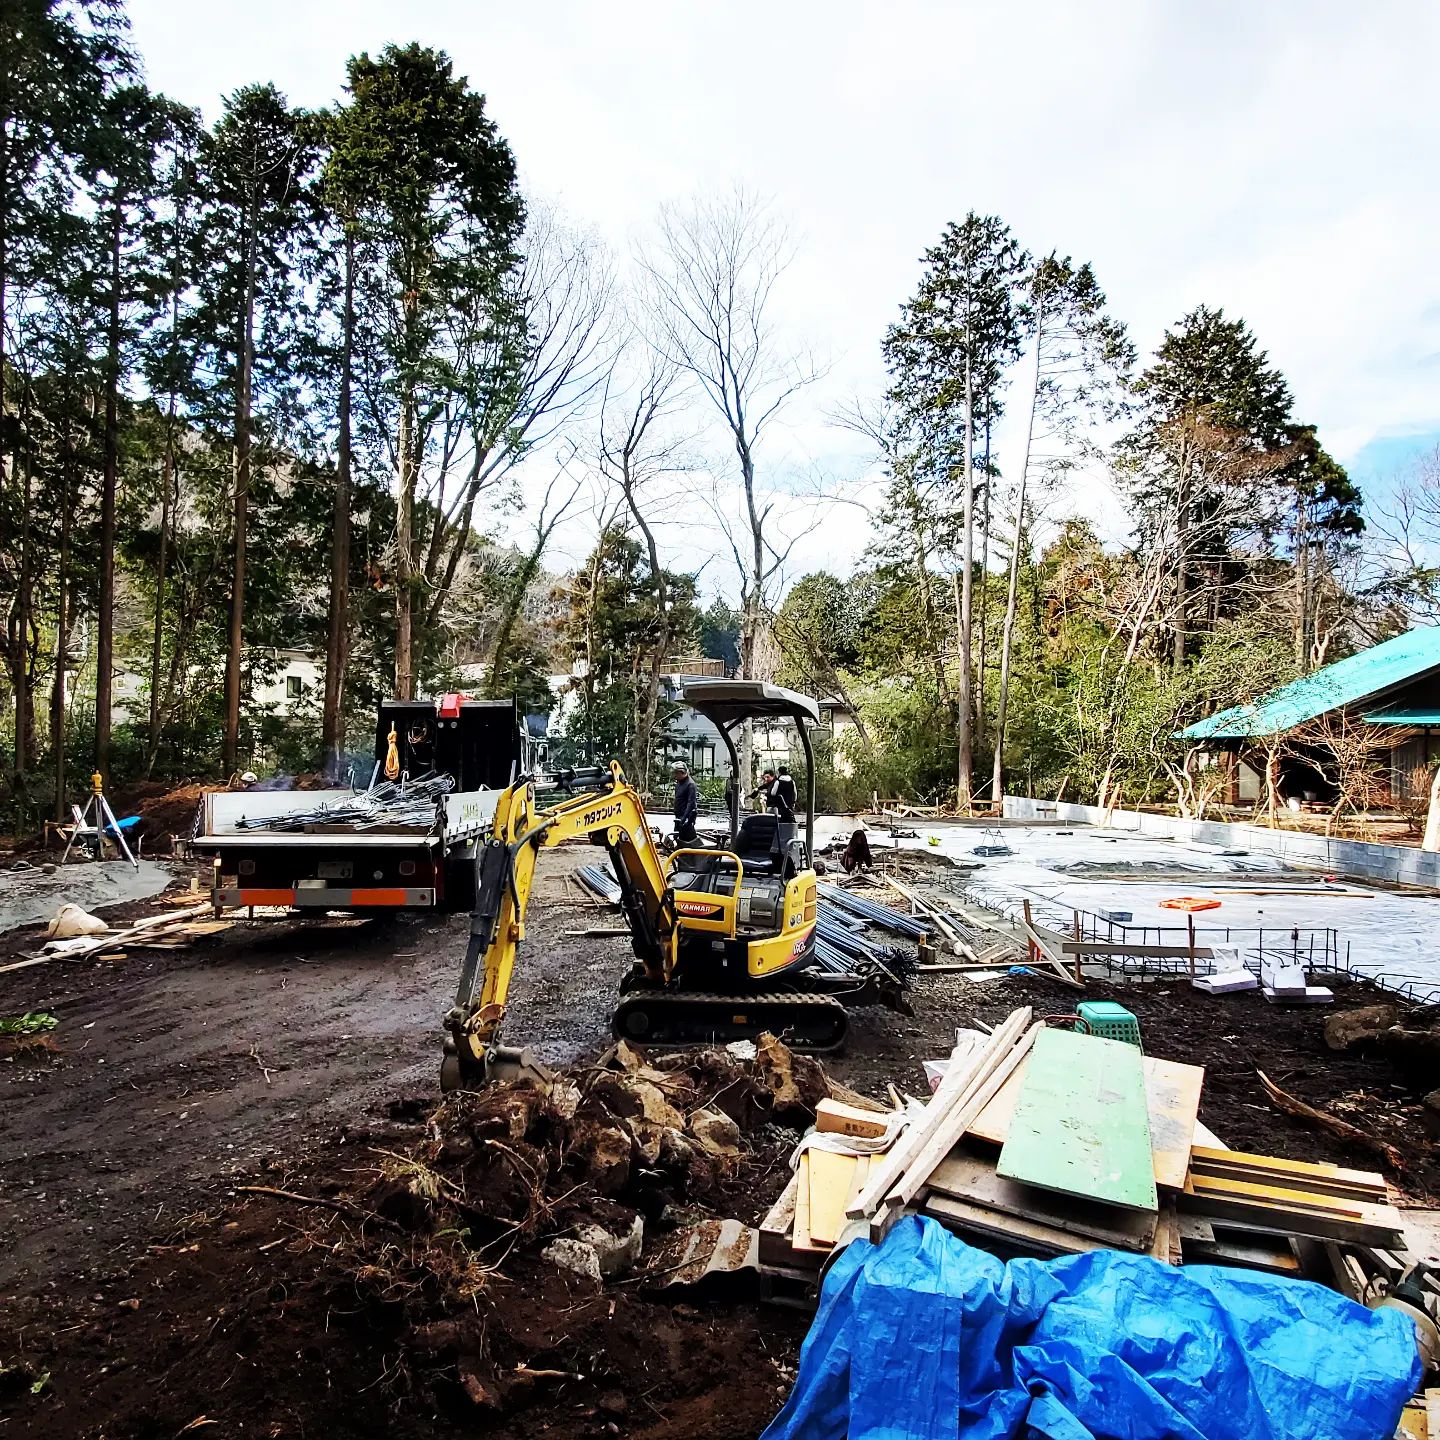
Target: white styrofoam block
(1310,995)
(1226,982)
(1120,917)
(1283,979)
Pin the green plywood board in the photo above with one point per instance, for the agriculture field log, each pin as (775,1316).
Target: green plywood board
(1081,1125)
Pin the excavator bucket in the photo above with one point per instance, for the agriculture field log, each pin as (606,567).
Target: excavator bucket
(505,1064)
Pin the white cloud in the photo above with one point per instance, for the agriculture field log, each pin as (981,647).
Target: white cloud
(1273,160)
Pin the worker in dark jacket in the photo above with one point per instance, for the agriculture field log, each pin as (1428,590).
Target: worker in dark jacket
(687,805)
(776,796)
(786,785)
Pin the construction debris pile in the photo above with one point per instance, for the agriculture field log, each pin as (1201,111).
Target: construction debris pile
(1042,1140)
(486,1245)
(407,804)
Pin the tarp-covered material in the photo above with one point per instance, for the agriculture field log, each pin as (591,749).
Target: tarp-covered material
(924,1337)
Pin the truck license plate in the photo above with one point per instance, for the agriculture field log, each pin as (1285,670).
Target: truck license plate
(334,869)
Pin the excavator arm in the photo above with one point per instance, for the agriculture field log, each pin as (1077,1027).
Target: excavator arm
(612,816)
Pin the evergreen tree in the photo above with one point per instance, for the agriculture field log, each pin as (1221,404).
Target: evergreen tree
(418,162)
(254,164)
(720,633)
(59,63)
(947,358)
(1212,432)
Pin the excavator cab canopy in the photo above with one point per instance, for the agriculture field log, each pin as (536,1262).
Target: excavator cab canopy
(728,704)
(727,701)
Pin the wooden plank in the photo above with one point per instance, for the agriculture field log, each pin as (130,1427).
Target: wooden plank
(1207,1137)
(1015,1234)
(1081,1125)
(1172,1098)
(1296,1174)
(1165,1247)
(800,1237)
(830,1183)
(777,1226)
(857,1183)
(1304,1201)
(1272,1254)
(968,1177)
(1136,950)
(949,1133)
(966,1065)
(1373,1224)
(1432,1413)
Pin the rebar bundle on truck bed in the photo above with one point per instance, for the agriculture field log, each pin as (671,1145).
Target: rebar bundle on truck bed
(410,802)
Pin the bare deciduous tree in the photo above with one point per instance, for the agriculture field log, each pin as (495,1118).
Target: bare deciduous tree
(637,448)
(511,385)
(712,271)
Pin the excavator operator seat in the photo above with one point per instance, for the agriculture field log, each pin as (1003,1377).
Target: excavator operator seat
(757,841)
(767,845)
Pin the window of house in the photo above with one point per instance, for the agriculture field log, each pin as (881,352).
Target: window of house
(293,687)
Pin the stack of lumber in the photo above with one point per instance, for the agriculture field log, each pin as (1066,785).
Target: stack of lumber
(1045,1141)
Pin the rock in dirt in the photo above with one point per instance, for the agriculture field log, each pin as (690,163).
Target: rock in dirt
(614,1252)
(601,1157)
(796,1082)
(1348,1028)
(1416,1052)
(634,1097)
(1432,1101)
(716,1133)
(574,1255)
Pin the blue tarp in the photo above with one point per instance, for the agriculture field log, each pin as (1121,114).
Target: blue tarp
(924,1337)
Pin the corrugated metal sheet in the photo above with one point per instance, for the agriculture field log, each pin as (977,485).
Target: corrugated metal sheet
(1369,674)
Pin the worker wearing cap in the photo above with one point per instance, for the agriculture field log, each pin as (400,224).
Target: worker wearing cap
(687,805)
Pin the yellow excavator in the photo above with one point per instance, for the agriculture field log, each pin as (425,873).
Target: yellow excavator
(722,937)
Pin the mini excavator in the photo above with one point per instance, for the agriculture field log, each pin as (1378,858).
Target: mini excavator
(723,937)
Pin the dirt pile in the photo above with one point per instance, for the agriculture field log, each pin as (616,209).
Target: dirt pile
(502,1272)
(164,810)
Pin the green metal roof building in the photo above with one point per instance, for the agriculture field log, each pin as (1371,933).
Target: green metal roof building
(1393,683)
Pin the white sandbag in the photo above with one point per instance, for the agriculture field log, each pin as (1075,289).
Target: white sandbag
(71,920)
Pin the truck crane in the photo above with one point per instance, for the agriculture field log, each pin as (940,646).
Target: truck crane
(723,937)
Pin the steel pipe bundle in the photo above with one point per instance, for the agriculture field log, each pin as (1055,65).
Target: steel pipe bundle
(847,942)
(599,880)
(882,915)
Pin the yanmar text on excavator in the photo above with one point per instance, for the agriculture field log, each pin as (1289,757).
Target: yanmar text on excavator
(723,936)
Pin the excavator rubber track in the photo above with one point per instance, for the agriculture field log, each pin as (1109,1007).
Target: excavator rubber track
(811,1023)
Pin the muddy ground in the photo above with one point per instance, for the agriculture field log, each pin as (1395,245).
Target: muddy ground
(142,1293)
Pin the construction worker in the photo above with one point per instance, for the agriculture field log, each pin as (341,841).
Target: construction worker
(787,788)
(774,794)
(687,805)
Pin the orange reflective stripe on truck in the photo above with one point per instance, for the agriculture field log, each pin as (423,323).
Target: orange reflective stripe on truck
(267,897)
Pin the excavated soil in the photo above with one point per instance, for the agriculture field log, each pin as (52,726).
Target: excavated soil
(144,1293)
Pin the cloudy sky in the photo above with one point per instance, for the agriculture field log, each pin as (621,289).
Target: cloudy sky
(1276,160)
